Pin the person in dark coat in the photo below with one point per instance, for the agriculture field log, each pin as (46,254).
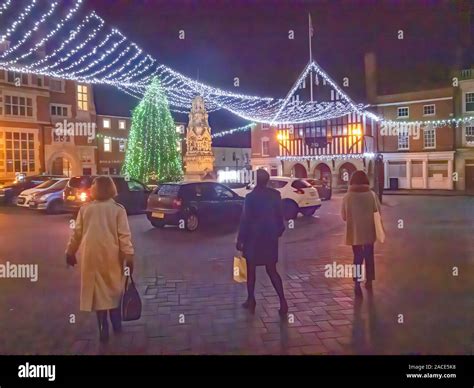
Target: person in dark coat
(260,228)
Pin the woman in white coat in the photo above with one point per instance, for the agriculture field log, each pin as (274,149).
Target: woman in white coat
(103,234)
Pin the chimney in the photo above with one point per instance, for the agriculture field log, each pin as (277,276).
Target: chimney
(370,61)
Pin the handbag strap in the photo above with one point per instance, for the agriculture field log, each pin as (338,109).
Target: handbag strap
(131,281)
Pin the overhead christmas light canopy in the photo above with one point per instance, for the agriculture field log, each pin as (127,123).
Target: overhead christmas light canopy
(52,40)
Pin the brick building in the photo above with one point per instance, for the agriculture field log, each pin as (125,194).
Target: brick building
(464,107)
(416,156)
(31,108)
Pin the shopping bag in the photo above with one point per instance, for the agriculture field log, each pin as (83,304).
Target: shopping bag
(240,269)
(131,303)
(379,230)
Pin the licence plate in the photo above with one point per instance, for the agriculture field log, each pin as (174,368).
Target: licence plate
(158,215)
(32,204)
(71,197)
(312,193)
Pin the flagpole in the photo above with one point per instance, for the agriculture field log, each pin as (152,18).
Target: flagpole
(310,58)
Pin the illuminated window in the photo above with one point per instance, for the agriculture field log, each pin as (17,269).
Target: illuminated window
(19,152)
(107,144)
(82,98)
(106,123)
(122,124)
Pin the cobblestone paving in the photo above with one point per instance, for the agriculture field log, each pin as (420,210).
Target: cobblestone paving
(192,306)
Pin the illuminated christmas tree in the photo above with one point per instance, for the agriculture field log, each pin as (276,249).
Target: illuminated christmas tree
(152,151)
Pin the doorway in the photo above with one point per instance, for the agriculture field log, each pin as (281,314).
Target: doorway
(469,178)
(62,166)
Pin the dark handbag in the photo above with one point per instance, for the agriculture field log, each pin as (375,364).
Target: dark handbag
(131,303)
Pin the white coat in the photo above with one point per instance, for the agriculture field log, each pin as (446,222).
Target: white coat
(103,234)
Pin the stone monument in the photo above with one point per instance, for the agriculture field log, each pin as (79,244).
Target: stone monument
(199,158)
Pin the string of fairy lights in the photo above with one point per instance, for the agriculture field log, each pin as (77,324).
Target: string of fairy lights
(51,38)
(86,51)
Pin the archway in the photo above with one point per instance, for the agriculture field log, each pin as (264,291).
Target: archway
(299,171)
(345,173)
(61,166)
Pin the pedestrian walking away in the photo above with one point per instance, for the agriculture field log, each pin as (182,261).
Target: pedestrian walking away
(103,236)
(358,208)
(261,226)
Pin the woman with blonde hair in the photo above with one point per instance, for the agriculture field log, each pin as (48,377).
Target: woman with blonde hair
(358,208)
(103,234)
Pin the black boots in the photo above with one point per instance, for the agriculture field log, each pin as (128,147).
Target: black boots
(103,326)
(115,318)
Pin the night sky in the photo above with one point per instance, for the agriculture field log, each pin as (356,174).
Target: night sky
(249,40)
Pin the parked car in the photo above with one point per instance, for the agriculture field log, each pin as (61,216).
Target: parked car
(297,194)
(193,204)
(9,193)
(323,187)
(45,189)
(132,194)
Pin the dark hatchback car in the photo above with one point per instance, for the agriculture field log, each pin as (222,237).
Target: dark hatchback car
(132,194)
(9,193)
(190,204)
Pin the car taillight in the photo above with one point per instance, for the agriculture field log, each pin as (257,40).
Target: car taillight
(177,203)
(64,195)
(299,191)
(83,197)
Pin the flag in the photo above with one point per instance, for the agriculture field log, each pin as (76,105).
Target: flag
(311,29)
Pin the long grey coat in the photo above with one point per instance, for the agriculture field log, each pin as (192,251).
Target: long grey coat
(103,234)
(358,211)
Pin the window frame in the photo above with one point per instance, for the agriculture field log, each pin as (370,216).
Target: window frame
(265,140)
(429,129)
(55,81)
(109,125)
(407,141)
(429,114)
(61,107)
(403,117)
(466,102)
(82,96)
(107,141)
(10,96)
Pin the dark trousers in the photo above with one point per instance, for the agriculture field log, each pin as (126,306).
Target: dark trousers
(115,318)
(365,253)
